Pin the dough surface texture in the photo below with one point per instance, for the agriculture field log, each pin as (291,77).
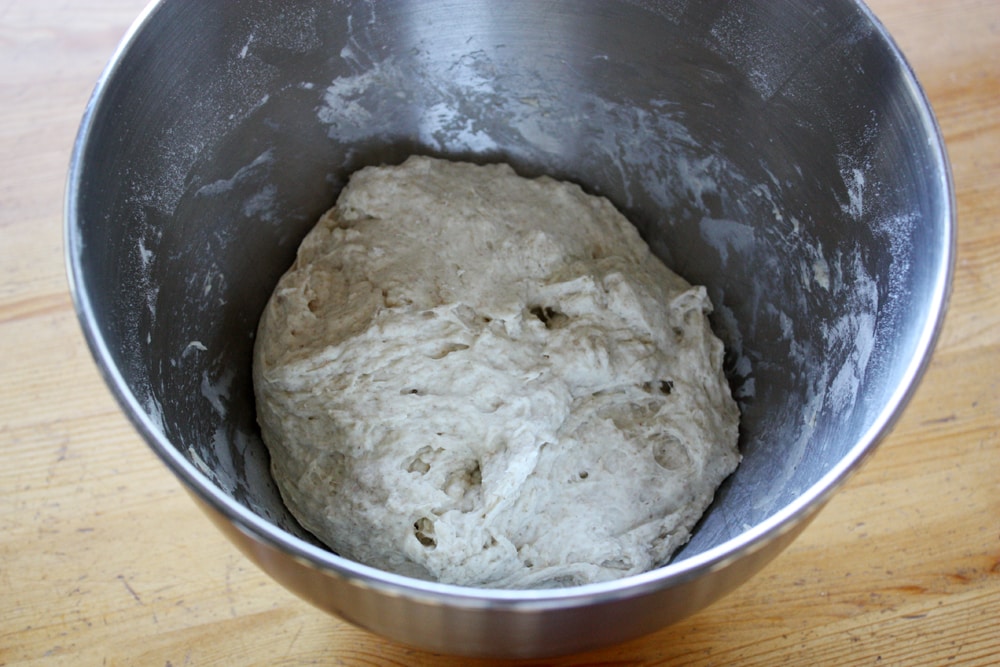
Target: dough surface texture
(486,380)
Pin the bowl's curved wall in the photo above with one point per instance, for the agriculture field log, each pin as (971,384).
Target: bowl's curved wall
(779,153)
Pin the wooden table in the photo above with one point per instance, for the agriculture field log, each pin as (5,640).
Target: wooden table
(105,560)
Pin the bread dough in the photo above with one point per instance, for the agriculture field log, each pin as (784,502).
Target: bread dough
(486,380)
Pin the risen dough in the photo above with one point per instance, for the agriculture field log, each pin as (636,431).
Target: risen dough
(490,381)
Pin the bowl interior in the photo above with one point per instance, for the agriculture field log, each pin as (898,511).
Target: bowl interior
(777,152)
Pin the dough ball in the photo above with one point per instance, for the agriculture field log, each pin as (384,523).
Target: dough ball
(486,380)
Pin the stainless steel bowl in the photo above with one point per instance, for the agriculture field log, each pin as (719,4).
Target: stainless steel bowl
(780,153)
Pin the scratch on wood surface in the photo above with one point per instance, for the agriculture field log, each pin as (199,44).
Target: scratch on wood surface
(131,590)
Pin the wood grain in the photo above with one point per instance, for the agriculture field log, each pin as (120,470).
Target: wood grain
(104,560)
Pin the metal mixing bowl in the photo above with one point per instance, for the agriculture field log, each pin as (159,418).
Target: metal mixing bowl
(779,152)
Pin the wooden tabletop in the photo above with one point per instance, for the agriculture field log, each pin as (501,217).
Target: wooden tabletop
(104,559)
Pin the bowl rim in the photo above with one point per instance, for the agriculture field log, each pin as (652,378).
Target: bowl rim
(669,575)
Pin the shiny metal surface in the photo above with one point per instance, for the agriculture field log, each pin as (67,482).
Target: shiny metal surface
(780,153)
